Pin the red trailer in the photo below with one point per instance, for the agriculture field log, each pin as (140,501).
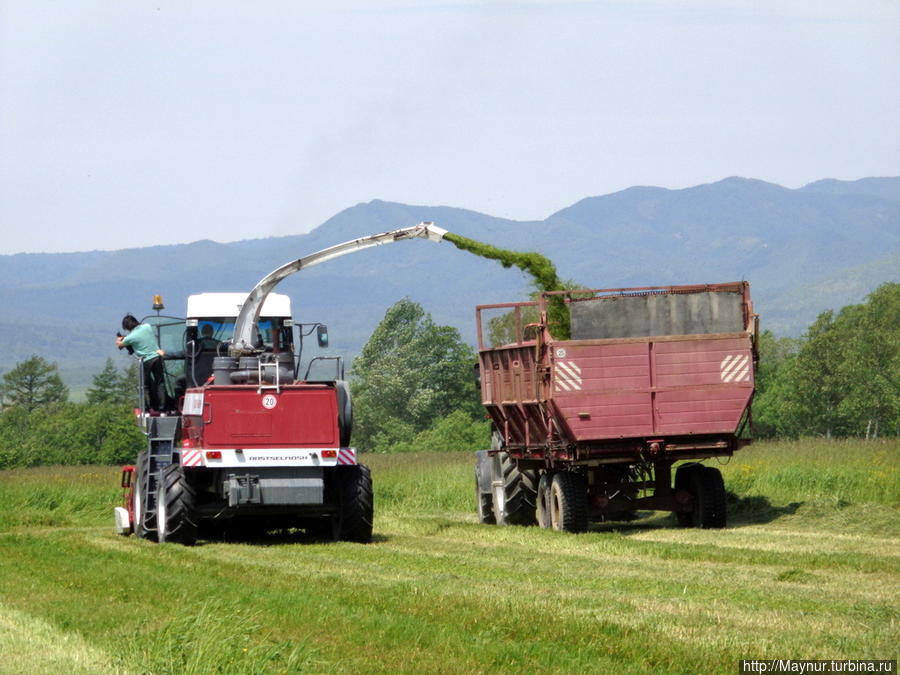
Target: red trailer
(589,427)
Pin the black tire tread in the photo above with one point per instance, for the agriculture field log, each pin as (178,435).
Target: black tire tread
(520,487)
(356,503)
(683,482)
(711,500)
(181,499)
(572,501)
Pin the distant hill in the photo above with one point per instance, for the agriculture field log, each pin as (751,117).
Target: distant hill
(818,247)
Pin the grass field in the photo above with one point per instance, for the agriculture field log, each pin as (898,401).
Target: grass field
(808,568)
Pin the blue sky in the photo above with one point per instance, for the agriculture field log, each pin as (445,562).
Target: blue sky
(138,123)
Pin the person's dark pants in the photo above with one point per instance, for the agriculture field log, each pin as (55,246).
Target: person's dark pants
(154,384)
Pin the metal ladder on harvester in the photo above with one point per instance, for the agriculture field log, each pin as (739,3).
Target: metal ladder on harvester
(161,433)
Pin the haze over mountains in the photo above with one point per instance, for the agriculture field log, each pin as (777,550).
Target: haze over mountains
(818,247)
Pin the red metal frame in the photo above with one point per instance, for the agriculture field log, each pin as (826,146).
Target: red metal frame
(620,399)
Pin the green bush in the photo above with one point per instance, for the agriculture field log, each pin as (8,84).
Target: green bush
(68,433)
(457,431)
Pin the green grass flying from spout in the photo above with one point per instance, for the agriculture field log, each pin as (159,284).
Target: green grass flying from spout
(540,267)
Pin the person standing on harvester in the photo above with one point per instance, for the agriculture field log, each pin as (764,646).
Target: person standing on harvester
(142,340)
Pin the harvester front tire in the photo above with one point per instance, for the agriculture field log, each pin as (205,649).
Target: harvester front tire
(568,502)
(516,502)
(356,503)
(176,507)
(709,498)
(139,499)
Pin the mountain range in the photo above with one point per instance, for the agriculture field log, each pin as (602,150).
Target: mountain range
(803,250)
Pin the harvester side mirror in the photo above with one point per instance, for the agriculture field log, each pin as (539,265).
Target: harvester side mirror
(322,335)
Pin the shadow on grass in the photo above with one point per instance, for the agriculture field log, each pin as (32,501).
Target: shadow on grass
(753,510)
(289,537)
(756,510)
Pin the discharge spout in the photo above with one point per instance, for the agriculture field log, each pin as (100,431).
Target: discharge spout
(249,314)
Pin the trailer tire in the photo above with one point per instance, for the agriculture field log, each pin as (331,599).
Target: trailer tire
(484,501)
(568,502)
(356,503)
(515,501)
(709,498)
(683,482)
(543,500)
(176,507)
(139,495)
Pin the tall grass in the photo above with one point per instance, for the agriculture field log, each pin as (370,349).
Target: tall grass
(236,640)
(57,496)
(838,472)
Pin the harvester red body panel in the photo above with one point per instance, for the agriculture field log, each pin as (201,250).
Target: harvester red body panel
(235,416)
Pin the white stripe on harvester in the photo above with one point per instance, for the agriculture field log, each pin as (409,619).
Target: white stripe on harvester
(191,458)
(347,456)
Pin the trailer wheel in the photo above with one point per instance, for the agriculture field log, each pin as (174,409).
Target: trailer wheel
(140,492)
(543,500)
(683,482)
(709,497)
(484,501)
(356,503)
(514,492)
(568,502)
(176,509)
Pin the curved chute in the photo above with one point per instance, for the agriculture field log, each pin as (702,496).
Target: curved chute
(249,314)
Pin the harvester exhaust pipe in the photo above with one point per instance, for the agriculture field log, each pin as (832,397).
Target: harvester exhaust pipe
(249,314)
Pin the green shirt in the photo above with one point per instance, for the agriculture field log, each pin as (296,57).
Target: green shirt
(143,340)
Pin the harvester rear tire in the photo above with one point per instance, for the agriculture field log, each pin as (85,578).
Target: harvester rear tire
(144,528)
(709,498)
(176,507)
(568,502)
(519,492)
(683,482)
(356,503)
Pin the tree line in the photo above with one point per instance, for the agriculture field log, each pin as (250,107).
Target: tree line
(842,378)
(40,425)
(413,388)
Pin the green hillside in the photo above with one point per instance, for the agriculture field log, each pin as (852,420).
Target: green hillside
(803,251)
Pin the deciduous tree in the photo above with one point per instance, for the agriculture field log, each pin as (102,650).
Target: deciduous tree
(410,374)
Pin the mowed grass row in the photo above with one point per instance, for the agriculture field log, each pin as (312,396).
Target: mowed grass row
(809,569)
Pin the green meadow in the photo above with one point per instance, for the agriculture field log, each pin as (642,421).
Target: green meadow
(809,568)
